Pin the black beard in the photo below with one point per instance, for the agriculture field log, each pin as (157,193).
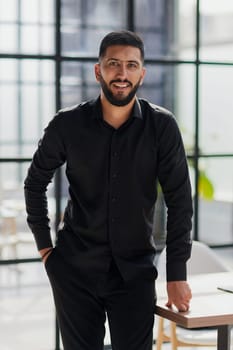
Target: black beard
(120,102)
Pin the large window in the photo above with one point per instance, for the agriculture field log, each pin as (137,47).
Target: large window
(47,52)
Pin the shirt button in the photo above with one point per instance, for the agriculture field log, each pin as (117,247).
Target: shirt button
(114,176)
(113,199)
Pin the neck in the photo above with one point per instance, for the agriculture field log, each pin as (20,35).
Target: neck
(115,115)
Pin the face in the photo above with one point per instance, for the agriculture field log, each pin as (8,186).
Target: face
(120,73)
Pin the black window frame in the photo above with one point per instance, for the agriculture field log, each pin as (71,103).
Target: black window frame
(58,59)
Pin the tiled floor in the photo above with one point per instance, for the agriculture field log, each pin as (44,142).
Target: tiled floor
(26,307)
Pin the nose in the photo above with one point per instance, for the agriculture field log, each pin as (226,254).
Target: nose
(122,70)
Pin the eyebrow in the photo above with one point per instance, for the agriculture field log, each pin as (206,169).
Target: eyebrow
(118,60)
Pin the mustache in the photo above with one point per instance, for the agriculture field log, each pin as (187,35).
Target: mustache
(121,81)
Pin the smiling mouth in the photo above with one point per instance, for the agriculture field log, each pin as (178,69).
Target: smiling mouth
(121,85)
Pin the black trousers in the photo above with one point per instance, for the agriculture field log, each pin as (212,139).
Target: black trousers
(82,304)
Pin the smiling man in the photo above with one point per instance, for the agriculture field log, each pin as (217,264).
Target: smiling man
(116,148)
(122,66)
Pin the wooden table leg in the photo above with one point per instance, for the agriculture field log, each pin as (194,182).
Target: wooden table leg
(224,337)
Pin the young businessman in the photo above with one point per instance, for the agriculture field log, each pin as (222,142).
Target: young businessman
(115,148)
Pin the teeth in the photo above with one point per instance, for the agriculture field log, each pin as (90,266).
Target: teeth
(121,85)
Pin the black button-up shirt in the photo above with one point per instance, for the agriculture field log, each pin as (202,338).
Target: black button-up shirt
(112,175)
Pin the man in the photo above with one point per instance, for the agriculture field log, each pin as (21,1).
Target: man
(115,149)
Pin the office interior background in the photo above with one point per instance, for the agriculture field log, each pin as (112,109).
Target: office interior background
(47,52)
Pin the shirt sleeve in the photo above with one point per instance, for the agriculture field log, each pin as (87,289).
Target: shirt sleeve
(49,155)
(174,178)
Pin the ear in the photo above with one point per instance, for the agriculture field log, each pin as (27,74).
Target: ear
(143,75)
(97,71)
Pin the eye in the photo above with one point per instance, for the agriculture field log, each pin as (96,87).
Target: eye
(113,63)
(132,65)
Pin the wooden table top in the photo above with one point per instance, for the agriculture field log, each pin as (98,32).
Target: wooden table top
(209,305)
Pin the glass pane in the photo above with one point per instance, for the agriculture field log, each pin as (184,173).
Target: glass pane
(185,29)
(29,29)
(172,87)
(8,71)
(216,124)
(30,112)
(163,26)
(46,40)
(216,215)
(9,105)
(30,11)
(8,38)
(216,30)
(184,97)
(28,97)
(8,10)
(30,39)
(158,85)
(84,23)
(78,83)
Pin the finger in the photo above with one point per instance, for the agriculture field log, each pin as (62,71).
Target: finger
(183,307)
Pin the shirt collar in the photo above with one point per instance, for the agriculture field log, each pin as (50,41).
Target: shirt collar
(137,111)
(97,109)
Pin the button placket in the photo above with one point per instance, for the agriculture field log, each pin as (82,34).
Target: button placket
(113,172)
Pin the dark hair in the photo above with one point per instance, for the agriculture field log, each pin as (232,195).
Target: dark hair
(123,37)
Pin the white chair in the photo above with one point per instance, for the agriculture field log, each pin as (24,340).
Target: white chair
(203,260)
(10,237)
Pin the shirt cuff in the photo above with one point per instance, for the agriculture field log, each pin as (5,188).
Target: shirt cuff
(176,271)
(43,240)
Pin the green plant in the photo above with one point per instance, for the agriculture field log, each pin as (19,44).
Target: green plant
(205,186)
